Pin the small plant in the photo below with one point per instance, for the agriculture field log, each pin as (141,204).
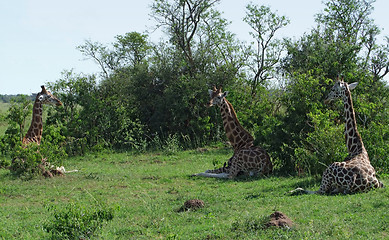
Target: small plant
(217,163)
(133,132)
(76,221)
(249,225)
(172,144)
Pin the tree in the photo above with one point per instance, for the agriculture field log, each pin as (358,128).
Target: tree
(200,53)
(183,19)
(379,60)
(267,50)
(344,43)
(348,21)
(80,111)
(129,49)
(344,40)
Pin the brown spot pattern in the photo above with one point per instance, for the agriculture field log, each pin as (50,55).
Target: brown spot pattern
(357,174)
(247,158)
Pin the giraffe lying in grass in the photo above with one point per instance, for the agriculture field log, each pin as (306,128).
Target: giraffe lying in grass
(34,133)
(247,158)
(355,173)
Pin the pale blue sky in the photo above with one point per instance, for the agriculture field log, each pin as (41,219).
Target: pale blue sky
(38,38)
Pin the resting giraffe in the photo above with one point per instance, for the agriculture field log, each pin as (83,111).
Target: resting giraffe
(355,174)
(247,159)
(34,133)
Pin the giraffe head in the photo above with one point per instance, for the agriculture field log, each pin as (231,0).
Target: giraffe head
(216,96)
(45,97)
(339,90)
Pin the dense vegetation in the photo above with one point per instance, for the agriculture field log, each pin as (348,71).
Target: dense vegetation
(152,95)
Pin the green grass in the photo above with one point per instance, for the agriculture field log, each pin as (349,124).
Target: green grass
(150,188)
(4,107)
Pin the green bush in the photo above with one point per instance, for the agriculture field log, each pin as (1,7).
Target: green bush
(53,145)
(26,161)
(10,139)
(172,144)
(75,221)
(4,162)
(16,116)
(7,143)
(322,146)
(375,139)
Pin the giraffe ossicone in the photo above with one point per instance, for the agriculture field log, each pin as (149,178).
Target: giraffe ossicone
(247,159)
(355,173)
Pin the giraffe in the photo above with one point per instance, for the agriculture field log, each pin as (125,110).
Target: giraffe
(355,173)
(34,133)
(247,158)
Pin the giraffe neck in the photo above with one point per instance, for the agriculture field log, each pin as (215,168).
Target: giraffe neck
(236,134)
(34,133)
(353,139)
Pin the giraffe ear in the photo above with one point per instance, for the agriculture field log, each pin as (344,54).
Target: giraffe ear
(351,86)
(225,94)
(210,92)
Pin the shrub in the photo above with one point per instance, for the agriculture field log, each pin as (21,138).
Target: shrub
(26,161)
(10,139)
(4,162)
(76,221)
(53,145)
(375,139)
(172,144)
(321,147)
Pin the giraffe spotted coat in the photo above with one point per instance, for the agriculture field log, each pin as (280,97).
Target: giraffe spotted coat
(351,176)
(34,133)
(355,173)
(247,158)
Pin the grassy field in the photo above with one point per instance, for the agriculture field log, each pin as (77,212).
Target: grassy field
(148,189)
(3,107)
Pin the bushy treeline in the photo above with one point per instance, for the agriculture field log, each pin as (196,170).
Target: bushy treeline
(7,98)
(153,95)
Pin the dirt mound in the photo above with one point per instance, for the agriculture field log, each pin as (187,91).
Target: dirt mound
(191,205)
(278,219)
